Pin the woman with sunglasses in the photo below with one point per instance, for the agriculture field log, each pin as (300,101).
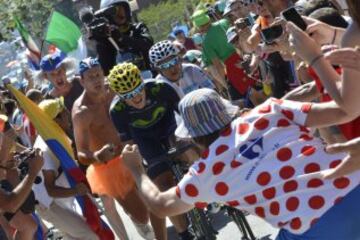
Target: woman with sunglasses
(143,113)
(183,77)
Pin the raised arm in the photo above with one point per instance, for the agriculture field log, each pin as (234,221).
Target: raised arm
(327,114)
(11,202)
(160,203)
(345,96)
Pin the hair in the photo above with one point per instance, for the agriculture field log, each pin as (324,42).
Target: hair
(34,95)
(207,140)
(309,6)
(354,10)
(329,16)
(9,106)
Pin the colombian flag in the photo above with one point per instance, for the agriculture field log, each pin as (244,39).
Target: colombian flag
(60,145)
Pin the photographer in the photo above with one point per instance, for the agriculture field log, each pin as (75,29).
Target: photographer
(129,41)
(17,204)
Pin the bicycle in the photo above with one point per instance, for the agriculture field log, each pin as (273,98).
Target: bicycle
(200,222)
(237,216)
(241,222)
(199,219)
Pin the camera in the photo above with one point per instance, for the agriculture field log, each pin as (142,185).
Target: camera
(98,23)
(23,159)
(269,35)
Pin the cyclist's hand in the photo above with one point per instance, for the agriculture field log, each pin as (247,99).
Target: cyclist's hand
(132,157)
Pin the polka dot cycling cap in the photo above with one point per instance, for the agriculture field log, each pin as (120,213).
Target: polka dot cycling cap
(203,112)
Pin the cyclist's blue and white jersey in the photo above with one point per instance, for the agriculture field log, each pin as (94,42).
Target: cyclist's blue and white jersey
(193,77)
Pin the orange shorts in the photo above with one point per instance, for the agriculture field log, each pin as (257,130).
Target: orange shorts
(112,178)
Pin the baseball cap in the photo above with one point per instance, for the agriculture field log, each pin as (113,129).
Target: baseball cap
(220,6)
(228,6)
(87,64)
(200,18)
(192,55)
(203,112)
(177,30)
(52,61)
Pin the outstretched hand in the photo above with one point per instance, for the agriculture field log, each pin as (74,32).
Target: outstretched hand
(350,163)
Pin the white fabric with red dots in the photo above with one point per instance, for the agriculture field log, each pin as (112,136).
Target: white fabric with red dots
(268,164)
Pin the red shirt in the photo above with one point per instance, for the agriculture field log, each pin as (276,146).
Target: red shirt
(351,129)
(189,44)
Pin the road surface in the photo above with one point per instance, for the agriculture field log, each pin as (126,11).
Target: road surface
(227,229)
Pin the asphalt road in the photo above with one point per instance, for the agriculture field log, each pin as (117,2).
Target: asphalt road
(227,229)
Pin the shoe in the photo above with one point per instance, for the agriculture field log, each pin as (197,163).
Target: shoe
(145,231)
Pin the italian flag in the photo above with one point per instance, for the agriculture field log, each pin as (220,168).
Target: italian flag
(66,36)
(33,52)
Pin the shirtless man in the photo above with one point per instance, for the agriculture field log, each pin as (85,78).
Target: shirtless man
(98,146)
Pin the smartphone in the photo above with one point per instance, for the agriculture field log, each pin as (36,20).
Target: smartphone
(292,15)
(269,35)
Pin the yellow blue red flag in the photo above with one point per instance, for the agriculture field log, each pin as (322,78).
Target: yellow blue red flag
(60,144)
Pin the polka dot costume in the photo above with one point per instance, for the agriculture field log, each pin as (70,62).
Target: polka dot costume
(268,163)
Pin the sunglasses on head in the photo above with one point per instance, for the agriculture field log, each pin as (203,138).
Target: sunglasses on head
(169,64)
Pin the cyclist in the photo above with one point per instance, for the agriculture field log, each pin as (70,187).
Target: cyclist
(143,113)
(266,162)
(183,77)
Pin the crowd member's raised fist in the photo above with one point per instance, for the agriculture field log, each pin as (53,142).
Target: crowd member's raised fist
(132,157)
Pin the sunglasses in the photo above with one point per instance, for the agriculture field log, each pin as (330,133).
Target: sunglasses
(169,64)
(133,93)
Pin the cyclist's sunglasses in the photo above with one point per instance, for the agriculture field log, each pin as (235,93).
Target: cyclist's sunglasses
(169,64)
(132,94)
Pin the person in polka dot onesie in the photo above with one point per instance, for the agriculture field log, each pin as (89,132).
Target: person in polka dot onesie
(266,162)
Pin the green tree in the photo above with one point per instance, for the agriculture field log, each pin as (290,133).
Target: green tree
(32,13)
(160,17)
